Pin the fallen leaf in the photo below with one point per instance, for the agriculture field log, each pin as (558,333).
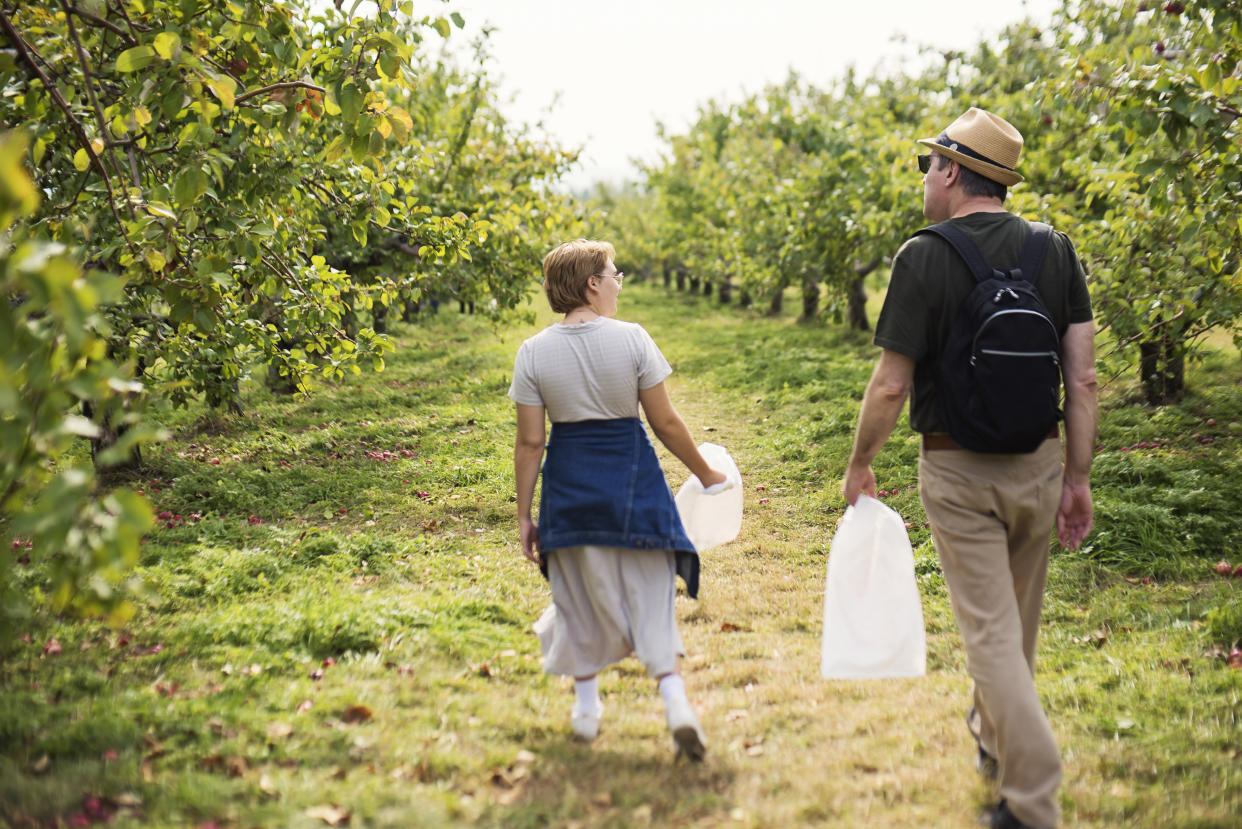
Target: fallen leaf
(266,785)
(304,706)
(279,730)
(331,815)
(127,800)
(356,713)
(41,765)
(726,627)
(51,648)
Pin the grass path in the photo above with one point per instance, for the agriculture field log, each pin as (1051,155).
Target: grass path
(344,633)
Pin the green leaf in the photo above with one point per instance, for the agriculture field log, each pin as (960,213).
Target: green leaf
(458,20)
(442,26)
(139,57)
(161,210)
(82,160)
(351,101)
(191,184)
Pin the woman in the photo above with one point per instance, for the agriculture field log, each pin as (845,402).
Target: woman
(609,538)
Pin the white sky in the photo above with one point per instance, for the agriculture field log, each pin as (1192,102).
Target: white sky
(601,74)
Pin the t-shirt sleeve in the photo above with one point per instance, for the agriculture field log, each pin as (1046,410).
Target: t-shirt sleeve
(903,321)
(1079,297)
(524,389)
(652,367)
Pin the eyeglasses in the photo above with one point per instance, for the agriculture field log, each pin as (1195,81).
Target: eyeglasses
(925,163)
(619,275)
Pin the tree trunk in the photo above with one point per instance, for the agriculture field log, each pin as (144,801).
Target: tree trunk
(707,287)
(857,313)
(379,318)
(681,279)
(726,291)
(694,284)
(110,432)
(777,304)
(810,298)
(1162,365)
(409,309)
(744,299)
(668,277)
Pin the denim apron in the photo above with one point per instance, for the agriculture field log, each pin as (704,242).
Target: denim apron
(603,485)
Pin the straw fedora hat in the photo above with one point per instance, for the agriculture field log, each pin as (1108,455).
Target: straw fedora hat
(983,142)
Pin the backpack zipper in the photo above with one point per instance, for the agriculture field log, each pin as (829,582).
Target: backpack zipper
(974,345)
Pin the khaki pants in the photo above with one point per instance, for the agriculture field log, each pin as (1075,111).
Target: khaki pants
(991,516)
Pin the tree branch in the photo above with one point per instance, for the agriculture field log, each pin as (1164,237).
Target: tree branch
(278,86)
(89,82)
(27,54)
(107,24)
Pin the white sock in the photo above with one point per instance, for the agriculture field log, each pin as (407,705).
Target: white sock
(672,687)
(587,693)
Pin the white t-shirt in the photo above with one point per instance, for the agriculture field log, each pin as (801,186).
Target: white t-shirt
(590,371)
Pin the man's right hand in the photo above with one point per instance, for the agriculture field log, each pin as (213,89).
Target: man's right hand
(857,481)
(1074,516)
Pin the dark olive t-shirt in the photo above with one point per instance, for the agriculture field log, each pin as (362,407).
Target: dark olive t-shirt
(930,281)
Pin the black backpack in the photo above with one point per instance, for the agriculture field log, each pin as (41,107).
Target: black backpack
(998,382)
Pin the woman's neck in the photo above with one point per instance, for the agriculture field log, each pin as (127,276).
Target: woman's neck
(581,314)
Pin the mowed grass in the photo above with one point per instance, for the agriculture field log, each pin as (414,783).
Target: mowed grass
(333,633)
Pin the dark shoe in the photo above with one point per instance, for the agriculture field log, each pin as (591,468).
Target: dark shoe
(999,817)
(986,763)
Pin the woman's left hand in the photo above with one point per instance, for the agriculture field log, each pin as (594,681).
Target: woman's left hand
(712,478)
(529,532)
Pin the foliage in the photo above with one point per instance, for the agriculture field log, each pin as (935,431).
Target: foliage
(52,338)
(1131,114)
(265,183)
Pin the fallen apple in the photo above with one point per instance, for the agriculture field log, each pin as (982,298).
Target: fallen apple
(1223,568)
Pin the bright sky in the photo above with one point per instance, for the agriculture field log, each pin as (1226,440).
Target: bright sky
(601,74)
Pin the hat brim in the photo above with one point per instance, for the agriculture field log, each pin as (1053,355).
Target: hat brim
(993,171)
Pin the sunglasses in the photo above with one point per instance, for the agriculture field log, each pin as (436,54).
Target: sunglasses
(925,163)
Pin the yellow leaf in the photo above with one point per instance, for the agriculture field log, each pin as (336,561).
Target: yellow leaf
(97,144)
(155,259)
(81,160)
(223,89)
(166,44)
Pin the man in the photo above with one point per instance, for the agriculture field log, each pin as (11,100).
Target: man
(990,514)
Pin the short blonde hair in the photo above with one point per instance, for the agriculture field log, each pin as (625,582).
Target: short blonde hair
(567,269)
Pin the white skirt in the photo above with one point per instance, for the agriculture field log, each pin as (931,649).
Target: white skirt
(609,602)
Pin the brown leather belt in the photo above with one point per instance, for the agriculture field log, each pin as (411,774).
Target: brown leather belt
(932,442)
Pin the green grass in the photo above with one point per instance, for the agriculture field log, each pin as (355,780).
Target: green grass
(329,625)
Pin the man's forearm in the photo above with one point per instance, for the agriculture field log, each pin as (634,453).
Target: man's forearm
(882,404)
(1080,431)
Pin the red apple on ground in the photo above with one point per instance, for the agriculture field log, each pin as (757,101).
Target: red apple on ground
(1223,568)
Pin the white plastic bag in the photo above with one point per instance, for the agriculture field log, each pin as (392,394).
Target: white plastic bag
(714,516)
(873,616)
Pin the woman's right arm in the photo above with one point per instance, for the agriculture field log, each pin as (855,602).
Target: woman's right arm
(527,454)
(672,432)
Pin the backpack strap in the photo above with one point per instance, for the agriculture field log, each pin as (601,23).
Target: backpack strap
(1033,252)
(965,248)
(1029,263)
